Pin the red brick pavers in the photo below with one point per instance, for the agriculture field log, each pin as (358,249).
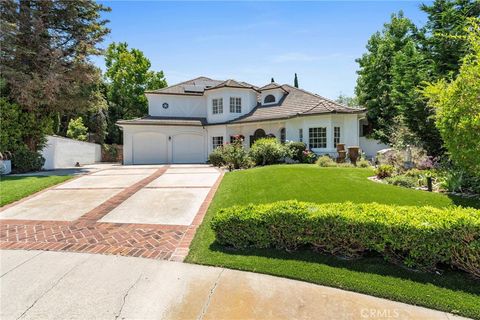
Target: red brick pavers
(86,234)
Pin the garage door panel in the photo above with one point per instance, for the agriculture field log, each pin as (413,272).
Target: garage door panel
(150,148)
(188,148)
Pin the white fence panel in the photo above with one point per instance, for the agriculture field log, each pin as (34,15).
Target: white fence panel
(62,152)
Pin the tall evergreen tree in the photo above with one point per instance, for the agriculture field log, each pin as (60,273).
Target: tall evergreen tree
(444,43)
(410,70)
(374,83)
(295,81)
(272,81)
(44,58)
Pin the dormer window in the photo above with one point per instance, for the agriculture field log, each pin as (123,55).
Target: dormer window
(217,106)
(269,99)
(235,105)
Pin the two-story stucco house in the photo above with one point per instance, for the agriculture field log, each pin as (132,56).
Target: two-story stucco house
(188,120)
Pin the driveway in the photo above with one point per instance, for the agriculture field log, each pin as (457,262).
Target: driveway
(89,286)
(141,211)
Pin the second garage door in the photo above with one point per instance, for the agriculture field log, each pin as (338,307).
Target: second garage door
(188,148)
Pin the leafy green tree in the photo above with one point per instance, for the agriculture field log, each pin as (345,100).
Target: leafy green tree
(447,20)
(295,81)
(457,106)
(128,75)
(374,83)
(44,60)
(346,100)
(409,71)
(77,130)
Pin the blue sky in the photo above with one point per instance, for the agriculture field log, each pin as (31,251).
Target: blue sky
(254,41)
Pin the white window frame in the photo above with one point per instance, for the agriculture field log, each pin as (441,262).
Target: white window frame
(336,136)
(217,142)
(235,105)
(217,106)
(317,138)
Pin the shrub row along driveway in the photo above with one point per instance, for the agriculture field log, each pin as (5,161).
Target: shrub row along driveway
(149,211)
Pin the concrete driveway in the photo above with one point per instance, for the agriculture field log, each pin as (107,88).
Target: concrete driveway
(62,285)
(146,211)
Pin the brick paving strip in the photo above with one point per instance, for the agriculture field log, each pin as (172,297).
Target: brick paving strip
(86,234)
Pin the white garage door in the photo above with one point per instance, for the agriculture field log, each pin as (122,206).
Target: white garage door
(149,148)
(188,148)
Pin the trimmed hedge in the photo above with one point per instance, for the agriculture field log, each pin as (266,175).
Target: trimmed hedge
(419,237)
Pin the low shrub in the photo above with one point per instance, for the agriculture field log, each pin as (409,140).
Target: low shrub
(231,155)
(403,181)
(216,157)
(419,237)
(295,150)
(363,163)
(325,161)
(235,156)
(384,171)
(25,160)
(267,151)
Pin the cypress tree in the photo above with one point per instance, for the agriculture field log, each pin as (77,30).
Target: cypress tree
(295,81)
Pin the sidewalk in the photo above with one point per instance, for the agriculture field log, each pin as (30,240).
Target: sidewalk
(64,285)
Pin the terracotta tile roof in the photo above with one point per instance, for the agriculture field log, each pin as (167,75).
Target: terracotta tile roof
(296,102)
(172,121)
(194,87)
(233,84)
(272,85)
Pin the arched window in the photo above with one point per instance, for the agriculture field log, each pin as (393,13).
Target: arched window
(269,99)
(283,137)
(258,134)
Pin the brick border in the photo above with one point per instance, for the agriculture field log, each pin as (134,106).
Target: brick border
(183,248)
(86,234)
(99,212)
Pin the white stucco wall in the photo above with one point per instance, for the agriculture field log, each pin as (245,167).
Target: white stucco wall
(61,152)
(371,146)
(248,129)
(348,124)
(178,106)
(249,101)
(166,135)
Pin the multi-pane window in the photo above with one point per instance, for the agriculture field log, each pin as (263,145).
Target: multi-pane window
(217,142)
(300,135)
(336,136)
(235,105)
(217,106)
(317,138)
(283,137)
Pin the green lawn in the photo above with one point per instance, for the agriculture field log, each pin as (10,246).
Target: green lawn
(452,292)
(13,188)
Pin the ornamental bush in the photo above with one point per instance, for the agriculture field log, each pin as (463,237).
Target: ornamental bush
(25,160)
(267,151)
(403,181)
(419,237)
(384,171)
(325,161)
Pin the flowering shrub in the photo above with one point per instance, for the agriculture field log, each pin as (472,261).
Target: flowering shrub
(232,155)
